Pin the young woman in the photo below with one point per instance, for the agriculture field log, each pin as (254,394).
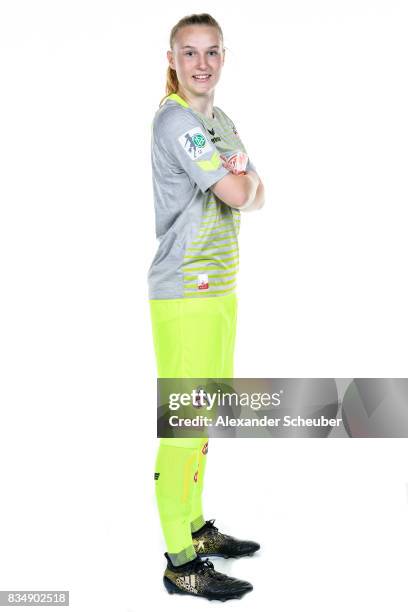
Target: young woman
(202,180)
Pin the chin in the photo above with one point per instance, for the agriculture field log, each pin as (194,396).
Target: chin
(204,89)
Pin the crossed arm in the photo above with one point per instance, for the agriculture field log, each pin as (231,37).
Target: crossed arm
(242,191)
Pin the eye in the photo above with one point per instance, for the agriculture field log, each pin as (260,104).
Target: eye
(188,53)
(215,52)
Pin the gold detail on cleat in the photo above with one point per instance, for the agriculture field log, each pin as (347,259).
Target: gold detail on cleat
(200,544)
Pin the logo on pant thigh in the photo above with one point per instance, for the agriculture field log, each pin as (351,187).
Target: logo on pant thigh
(204,450)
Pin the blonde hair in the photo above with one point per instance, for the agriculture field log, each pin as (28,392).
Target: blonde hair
(202,19)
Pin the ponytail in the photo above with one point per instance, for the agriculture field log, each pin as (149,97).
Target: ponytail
(171,83)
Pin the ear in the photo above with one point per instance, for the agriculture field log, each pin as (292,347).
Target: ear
(171,59)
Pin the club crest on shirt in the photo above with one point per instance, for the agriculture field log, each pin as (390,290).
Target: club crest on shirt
(195,143)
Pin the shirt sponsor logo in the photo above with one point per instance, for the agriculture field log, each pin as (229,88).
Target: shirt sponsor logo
(195,143)
(202,282)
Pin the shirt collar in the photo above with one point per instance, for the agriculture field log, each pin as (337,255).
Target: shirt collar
(182,102)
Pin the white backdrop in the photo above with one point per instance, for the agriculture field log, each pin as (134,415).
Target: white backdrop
(318,92)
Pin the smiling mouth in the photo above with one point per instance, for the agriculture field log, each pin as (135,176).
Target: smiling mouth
(201,78)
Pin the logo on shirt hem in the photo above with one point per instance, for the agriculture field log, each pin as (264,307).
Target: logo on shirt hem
(202,282)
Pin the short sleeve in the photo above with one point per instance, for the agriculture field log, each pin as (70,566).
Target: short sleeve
(186,141)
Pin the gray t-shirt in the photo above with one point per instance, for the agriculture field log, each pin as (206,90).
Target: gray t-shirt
(198,253)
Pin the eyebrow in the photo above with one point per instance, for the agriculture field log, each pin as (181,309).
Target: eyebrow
(190,47)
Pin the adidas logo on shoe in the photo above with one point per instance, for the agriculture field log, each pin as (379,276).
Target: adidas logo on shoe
(188,583)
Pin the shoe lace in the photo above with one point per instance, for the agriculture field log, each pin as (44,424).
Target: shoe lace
(204,566)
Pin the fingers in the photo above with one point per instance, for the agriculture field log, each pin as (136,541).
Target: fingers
(235,163)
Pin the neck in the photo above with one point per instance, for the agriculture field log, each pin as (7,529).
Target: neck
(203,104)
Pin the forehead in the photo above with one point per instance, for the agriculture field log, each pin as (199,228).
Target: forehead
(198,36)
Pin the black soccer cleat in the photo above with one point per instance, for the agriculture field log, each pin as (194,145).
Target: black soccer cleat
(198,577)
(210,542)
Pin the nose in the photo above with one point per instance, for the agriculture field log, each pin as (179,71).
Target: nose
(202,62)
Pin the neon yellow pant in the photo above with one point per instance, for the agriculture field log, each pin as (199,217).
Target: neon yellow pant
(193,338)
